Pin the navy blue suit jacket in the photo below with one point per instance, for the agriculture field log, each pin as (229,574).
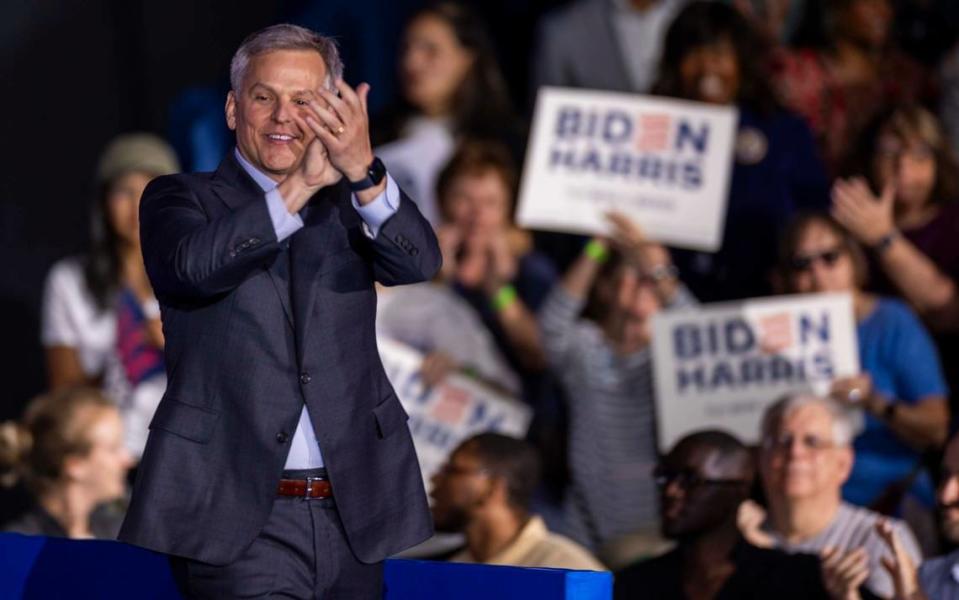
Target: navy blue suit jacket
(249,339)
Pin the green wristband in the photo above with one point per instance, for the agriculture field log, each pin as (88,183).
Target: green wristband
(597,251)
(504,297)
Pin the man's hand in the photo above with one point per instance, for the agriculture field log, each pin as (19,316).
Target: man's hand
(844,572)
(341,123)
(899,564)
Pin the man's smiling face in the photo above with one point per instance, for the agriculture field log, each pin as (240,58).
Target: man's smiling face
(275,85)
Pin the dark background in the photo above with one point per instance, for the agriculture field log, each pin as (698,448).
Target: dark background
(75,74)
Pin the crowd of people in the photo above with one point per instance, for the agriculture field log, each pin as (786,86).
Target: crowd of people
(844,179)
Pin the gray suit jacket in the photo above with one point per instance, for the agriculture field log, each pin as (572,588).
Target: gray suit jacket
(253,330)
(577,47)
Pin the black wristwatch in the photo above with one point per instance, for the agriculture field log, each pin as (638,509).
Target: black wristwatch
(374,175)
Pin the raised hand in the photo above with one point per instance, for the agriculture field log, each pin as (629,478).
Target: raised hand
(341,123)
(867,217)
(844,572)
(899,564)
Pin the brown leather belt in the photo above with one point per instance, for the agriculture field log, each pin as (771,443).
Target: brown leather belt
(309,488)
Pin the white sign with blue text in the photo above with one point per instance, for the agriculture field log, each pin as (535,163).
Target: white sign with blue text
(444,415)
(719,366)
(663,162)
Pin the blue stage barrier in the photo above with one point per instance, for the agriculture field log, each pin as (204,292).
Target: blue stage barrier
(34,567)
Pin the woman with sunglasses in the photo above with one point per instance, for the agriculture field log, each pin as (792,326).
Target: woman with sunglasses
(901,389)
(903,209)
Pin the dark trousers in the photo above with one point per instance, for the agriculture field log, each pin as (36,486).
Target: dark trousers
(302,552)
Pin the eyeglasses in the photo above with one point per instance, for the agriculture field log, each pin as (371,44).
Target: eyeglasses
(784,442)
(804,262)
(657,274)
(689,479)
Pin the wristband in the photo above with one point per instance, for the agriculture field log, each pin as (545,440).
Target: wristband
(886,241)
(151,309)
(504,297)
(596,250)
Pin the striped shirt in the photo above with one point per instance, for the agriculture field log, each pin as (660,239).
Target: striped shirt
(612,446)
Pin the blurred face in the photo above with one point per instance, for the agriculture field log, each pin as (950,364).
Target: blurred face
(275,85)
(820,263)
(123,205)
(800,460)
(699,491)
(866,22)
(948,495)
(433,65)
(478,204)
(102,472)
(909,165)
(459,488)
(711,73)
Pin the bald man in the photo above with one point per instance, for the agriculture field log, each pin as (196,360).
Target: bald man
(702,482)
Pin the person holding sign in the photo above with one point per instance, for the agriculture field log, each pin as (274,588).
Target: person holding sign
(901,388)
(596,332)
(713,55)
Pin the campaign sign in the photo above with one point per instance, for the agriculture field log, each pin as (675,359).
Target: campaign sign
(663,162)
(721,365)
(443,416)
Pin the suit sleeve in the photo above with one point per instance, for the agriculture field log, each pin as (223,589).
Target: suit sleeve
(189,255)
(405,247)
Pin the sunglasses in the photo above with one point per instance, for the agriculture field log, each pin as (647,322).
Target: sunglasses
(804,262)
(688,479)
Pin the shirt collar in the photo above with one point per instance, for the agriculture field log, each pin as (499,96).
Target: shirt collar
(261,178)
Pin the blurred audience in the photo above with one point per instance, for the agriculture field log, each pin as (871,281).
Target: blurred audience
(702,480)
(904,208)
(69,452)
(484,491)
(602,44)
(101,321)
(850,76)
(451,90)
(805,457)
(435,320)
(712,54)
(937,576)
(596,330)
(488,260)
(901,389)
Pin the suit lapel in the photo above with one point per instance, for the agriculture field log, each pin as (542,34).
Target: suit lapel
(307,249)
(235,188)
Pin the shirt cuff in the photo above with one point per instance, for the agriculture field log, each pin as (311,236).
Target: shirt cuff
(380,209)
(284,224)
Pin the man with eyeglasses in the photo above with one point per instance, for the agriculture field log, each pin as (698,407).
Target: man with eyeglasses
(484,491)
(805,458)
(702,481)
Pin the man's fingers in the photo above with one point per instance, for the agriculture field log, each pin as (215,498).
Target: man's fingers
(336,105)
(363,92)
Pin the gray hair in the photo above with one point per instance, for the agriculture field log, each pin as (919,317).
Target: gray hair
(285,37)
(843,426)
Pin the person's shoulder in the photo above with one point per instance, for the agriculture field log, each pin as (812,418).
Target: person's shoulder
(895,312)
(570,16)
(652,577)
(570,555)
(66,276)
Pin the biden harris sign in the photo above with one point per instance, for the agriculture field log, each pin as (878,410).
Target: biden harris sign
(665,163)
(721,365)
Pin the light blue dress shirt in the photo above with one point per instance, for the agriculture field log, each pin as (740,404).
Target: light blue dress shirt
(304,448)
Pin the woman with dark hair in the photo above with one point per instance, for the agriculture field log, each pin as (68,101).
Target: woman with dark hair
(713,55)
(843,82)
(901,389)
(69,452)
(451,89)
(101,322)
(903,208)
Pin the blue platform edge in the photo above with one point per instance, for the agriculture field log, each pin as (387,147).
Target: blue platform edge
(33,567)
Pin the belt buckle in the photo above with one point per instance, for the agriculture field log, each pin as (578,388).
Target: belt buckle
(309,487)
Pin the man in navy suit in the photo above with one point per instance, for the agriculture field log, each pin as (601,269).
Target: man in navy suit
(279,461)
